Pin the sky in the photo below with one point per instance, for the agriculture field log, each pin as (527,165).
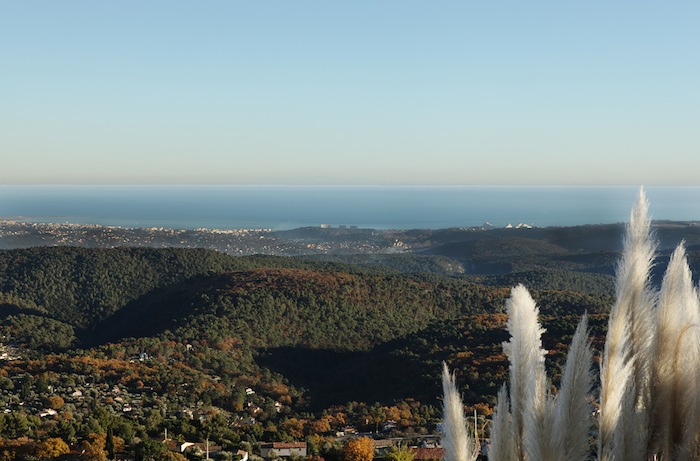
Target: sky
(358,92)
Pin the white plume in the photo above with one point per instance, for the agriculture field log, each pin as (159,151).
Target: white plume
(502,438)
(625,366)
(573,409)
(528,380)
(677,362)
(457,443)
(649,372)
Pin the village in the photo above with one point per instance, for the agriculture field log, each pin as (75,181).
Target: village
(323,239)
(62,405)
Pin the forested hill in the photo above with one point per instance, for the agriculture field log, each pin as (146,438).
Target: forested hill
(300,307)
(271,345)
(83,286)
(267,301)
(275,348)
(106,295)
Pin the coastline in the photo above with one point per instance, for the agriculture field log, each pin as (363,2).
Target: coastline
(377,207)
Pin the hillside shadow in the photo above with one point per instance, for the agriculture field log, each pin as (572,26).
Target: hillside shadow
(154,312)
(335,378)
(7,310)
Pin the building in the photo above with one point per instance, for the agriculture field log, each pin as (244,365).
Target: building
(282,449)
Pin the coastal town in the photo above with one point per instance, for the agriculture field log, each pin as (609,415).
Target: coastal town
(323,239)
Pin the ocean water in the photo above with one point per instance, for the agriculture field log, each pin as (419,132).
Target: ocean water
(379,207)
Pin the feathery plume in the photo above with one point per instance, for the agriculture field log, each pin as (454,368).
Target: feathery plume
(457,443)
(502,446)
(649,372)
(636,297)
(528,379)
(573,409)
(677,360)
(625,366)
(538,437)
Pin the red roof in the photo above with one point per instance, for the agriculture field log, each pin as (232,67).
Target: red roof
(427,453)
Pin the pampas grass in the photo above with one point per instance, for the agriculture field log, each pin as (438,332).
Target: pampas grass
(676,388)
(456,441)
(649,396)
(625,373)
(540,426)
(527,376)
(502,439)
(573,405)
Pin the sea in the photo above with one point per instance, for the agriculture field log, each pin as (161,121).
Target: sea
(378,207)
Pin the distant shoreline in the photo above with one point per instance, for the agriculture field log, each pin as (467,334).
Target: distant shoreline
(64,222)
(369,207)
(319,240)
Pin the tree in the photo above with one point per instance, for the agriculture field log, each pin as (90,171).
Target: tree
(55,402)
(26,389)
(12,449)
(96,447)
(94,450)
(294,427)
(150,450)
(360,449)
(377,415)
(319,426)
(109,443)
(171,456)
(16,425)
(52,448)
(399,453)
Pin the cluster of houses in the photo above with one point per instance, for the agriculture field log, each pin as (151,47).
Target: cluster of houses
(199,448)
(9,351)
(428,451)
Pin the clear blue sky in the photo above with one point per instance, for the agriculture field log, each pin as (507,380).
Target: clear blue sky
(356,92)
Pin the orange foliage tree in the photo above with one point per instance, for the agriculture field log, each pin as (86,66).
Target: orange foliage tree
(360,449)
(55,402)
(52,448)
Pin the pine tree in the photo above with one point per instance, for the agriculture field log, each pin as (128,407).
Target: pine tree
(109,444)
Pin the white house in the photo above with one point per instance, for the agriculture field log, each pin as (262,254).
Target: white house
(283,449)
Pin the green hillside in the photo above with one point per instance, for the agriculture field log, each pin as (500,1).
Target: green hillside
(255,348)
(83,286)
(299,307)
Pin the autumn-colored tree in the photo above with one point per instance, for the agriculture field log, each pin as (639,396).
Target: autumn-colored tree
(11,449)
(339,419)
(393,413)
(319,426)
(96,446)
(360,449)
(294,427)
(55,402)
(94,450)
(52,448)
(481,408)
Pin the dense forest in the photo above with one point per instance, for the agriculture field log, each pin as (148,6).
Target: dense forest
(241,350)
